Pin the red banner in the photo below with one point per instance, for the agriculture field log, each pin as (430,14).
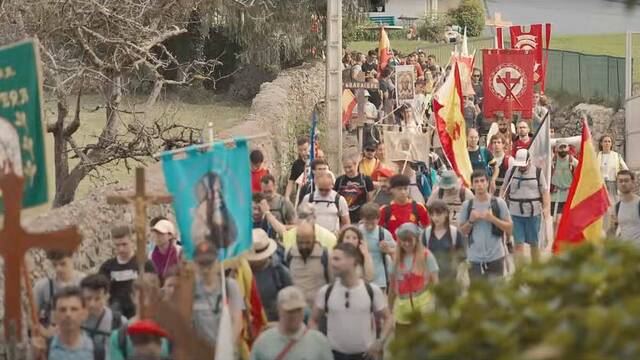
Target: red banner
(508,82)
(533,40)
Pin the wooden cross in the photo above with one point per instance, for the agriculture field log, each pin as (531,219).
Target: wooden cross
(175,317)
(361,101)
(140,200)
(497,21)
(15,242)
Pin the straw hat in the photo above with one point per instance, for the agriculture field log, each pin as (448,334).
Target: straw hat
(263,247)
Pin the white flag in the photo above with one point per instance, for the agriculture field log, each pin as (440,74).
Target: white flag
(540,149)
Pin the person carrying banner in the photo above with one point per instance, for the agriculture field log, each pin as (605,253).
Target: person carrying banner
(450,190)
(625,215)
(563,166)
(527,193)
(481,158)
(503,159)
(523,140)
(485,220)
(291,339)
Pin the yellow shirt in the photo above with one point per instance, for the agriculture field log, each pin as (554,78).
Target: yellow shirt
(325,237)
(367,167)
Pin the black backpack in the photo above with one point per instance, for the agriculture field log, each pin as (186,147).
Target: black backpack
(336,200)
(387,213)
(98,350)
(495,209)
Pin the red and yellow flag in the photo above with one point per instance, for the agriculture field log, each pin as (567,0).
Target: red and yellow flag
(384,51)
(587,202)
(451,127)
(348,104)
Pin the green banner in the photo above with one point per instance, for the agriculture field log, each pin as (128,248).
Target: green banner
(21,137)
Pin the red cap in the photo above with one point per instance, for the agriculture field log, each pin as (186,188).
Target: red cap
(381,172)
(146,327)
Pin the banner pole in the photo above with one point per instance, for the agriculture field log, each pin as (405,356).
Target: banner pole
(209,144)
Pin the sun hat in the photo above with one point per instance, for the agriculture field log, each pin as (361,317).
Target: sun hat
(262,248)
(448,180)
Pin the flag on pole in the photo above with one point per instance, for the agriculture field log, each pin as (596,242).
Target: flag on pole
(225,343)
(384,51)
(348,104)
(587,202)
(465,63)
(540,148)
(451,127)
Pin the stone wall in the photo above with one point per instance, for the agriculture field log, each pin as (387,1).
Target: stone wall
(602,120)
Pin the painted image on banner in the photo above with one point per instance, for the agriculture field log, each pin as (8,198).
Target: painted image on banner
(212,220)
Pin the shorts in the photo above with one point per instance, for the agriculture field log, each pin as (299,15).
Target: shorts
(526,229)
(488,269)
(560,206)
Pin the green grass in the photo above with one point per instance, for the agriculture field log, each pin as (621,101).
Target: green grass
(195,109)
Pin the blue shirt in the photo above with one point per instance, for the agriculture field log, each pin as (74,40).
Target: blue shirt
(373,243)
(58,351)
(483,245)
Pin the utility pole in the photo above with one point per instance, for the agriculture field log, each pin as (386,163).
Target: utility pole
(333,90)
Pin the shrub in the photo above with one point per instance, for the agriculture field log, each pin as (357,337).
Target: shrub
(470,14)
(432,29)
(581,304)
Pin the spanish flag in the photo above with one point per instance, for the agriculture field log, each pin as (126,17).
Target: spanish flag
(451,126)
(587,202)
(384,51)
(348,104)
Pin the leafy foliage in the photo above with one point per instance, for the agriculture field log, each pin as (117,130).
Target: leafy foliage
(470,14)
(582,304)
(432,29)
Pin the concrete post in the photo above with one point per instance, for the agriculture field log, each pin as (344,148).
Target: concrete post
(333,91)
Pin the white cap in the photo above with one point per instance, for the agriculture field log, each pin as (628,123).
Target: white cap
(164,227)
(291,298)
(522,157)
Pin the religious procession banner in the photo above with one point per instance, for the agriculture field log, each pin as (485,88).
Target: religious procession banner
(21,137)
(212,197)
(533,39)
(405,83)
(406,145)
(508,82)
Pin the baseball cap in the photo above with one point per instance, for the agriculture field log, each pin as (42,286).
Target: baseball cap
(291,298)
(146,327)
(562,142)
(522,157)
(164,227)
(381,172)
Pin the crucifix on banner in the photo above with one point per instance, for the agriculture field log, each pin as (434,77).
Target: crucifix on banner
(140,200)
(15,242)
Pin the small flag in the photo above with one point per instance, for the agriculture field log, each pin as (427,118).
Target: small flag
(348,104)
(385,54)
(587,202)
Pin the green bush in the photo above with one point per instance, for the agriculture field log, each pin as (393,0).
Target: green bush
(432,29)
(470,14)
(581,304)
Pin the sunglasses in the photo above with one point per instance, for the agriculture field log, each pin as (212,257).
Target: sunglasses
(370,150)
(346,299)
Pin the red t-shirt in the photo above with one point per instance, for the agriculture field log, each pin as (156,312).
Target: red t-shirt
(401,214)
(520,144)
(256,176)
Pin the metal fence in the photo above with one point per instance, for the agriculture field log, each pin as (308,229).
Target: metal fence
(582,76)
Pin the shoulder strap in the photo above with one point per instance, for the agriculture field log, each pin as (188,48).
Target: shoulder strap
(462,193)
(618,209)
(538,172)
(288,257)
(283,353)
(453,232)
(495,207)
(51,291)
(440,193)
(122,340)
(324,259)
(311,200)
(387,215)
(469,208)
(327,294)
(426,236)
(337,202)
(116,319)
(414,210)
(369,289)
(380,234)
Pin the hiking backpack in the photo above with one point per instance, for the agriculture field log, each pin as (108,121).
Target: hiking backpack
(324,260)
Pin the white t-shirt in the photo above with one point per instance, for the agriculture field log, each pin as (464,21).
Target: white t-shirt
(327,214)
(351,330)
(610,164)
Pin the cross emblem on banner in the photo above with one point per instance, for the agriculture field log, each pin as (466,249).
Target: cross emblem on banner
(509,85)
(15,242)
(140,200)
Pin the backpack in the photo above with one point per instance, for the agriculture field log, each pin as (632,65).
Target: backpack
(387,213)
(116,323)
(324,260)
(384,256)
(336,200)
(453,231)
(45,313)
(462,194)
(483,157)
(424,180)
(495,209)
(525,201)
(277,276)
(367,286)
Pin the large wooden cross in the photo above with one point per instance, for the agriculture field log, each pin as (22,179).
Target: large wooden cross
(15,242)
(140,200)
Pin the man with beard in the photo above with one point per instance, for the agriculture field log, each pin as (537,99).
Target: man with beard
(523,140)
(626,212)
(503,127)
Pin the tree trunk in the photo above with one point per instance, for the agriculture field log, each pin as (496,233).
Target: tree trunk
(61,158)
(67,191)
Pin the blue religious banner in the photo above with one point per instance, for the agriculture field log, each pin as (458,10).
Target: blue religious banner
(212,197)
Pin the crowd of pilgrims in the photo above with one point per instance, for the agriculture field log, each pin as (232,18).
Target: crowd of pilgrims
(341,262)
